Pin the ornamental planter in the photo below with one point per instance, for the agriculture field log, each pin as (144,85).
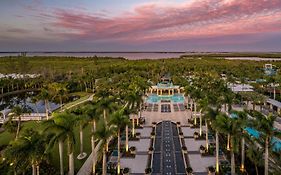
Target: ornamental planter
(148,171)
(126,171)
(138,135)
(211,170)
(189,170)
(150,150)
(133,150)
(152,135)
(181,135)
(196,135)
(202,149)
(184,149)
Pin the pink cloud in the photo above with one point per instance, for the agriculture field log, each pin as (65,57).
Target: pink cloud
(154,21)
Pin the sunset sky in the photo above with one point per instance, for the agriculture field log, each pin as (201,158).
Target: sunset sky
(140,25)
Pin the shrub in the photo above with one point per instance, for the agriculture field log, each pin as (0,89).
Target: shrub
(148,170)
(126,170)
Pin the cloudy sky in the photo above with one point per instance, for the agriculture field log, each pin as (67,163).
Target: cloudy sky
(140,25)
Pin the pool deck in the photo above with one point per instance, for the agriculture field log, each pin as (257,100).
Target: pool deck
(179,116)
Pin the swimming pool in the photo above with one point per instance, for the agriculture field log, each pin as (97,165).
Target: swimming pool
(177,98)
(275,141)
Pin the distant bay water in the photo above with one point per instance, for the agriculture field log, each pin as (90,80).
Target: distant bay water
(132,55)
(127,55)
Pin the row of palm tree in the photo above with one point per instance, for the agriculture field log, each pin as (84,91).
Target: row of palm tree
(108,115)
(210,96)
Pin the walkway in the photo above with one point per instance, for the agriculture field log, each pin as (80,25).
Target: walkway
(167,157)
(138,164)
(198,163)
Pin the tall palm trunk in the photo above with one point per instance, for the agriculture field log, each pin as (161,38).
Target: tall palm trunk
(207,136)
(38,170)
(257,170)
(232,162)
(133,128)
(33,169)
(195,111)
(228,142)
(200,121)
(18,128)
(71,163)
(127,138)
(232,158)
(266,156)
(93,148)
(104,116)
(118,159)
(81,140)
(217,152)
(139,115)
(104,161)
(243,154)
(61,157)
(70,160)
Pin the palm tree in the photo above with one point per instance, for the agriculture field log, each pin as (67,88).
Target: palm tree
(265,125)
(59,90)
(134,101)
(28,150)
(91,111)
(82,121)
(62,126)
(45,96)
(203,105)
(254,153)
(231,127)
(17,112)
(11,126)
(103,134)
(119,120)
(106,105)
(242,123)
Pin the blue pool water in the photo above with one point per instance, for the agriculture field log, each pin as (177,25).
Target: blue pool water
(177,98)
(275,141)
(233,115)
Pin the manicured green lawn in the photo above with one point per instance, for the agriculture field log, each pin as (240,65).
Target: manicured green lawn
(6,137)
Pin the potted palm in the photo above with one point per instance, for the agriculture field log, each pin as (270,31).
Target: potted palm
(189,170)
(202,149)
(184,149)
(150,150)
(138,135)
(196,135)
(152,134)
(126,171)
(211,170)
(148,171)
(133,150)
(181,135)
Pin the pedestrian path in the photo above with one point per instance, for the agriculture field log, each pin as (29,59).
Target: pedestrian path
(197,162)
(138,164)
(167,157)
